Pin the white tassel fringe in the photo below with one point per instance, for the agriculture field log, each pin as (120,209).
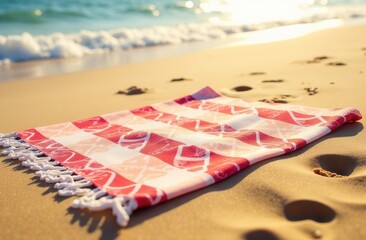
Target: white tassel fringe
(67,183)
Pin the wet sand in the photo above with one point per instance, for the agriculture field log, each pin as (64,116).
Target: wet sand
(317,192)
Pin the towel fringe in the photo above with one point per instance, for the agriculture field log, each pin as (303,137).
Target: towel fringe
(66,181)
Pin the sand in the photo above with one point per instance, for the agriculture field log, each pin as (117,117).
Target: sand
(317,192)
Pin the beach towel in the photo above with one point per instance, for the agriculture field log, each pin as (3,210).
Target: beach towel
(145,156)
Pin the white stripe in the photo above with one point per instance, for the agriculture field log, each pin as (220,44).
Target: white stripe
(313,133)
(65,133)
(284,107)
(176,184)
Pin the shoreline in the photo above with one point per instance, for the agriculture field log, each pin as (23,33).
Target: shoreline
(50,67)
(323,69)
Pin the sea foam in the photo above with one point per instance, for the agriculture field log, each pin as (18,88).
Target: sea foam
(24,47)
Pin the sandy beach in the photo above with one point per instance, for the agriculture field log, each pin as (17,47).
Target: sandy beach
(287,197)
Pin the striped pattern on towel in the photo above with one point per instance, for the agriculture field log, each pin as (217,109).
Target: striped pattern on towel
(158,152)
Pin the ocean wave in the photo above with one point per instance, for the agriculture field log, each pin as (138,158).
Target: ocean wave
(24,47)
(58,45)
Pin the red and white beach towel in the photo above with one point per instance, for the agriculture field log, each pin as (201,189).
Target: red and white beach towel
(132,159)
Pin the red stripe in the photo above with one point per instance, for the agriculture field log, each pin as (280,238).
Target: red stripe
(96,172)
(185,99)
(167,149)
(304,120)
(246,136)
(336,121)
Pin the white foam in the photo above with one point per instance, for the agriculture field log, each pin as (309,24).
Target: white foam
(15,48)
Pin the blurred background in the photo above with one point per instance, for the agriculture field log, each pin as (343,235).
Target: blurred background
(44,29)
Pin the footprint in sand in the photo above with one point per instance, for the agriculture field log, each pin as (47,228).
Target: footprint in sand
(180,79)
(273,100)
(279,99)
(260,235)
(257,73)
(321,59)
(235,91)
(133,90)
(311,90)
(308,210)
(337,64)
(242,88)
(334,165)
(364,50)
(318,59)
(273,81)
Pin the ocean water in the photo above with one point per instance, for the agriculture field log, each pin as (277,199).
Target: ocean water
(40,29)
